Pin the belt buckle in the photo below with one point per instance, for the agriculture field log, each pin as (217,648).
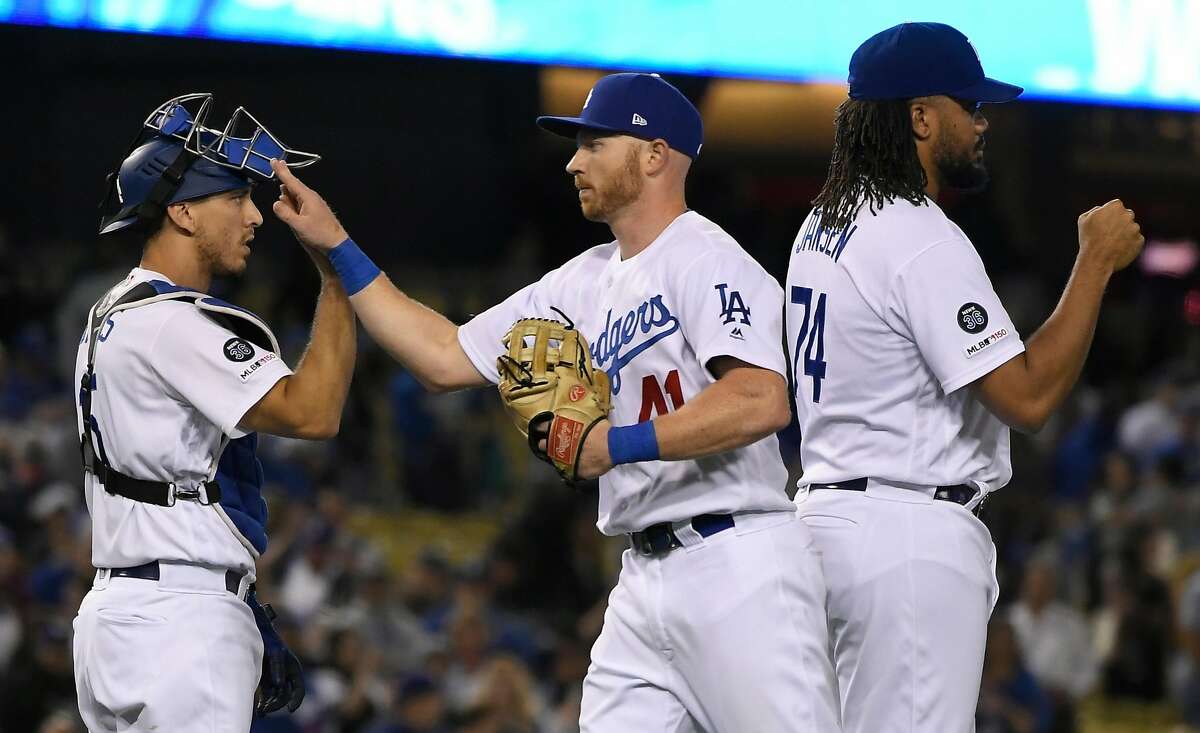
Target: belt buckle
(198,494)
(642,543)
(978,510)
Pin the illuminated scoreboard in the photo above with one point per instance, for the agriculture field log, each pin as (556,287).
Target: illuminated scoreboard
(1135,52)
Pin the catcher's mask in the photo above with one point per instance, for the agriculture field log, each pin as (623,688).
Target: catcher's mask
(177,157)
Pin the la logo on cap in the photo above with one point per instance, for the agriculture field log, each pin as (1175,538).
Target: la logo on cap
(589,98)
(639,120)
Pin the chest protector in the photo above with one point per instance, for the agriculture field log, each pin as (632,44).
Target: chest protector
(234,484)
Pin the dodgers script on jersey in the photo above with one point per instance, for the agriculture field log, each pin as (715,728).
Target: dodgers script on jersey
(652,323)
(887,321)
(185,382)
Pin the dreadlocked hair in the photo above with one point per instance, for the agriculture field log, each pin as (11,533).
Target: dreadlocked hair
(874,161)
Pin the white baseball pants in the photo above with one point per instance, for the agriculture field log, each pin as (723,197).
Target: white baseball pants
(724,635)
(179,655)
(912,583)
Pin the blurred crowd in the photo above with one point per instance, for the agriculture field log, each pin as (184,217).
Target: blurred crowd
(1098,534)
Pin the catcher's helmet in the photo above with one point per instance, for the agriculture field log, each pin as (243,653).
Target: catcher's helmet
(175,157)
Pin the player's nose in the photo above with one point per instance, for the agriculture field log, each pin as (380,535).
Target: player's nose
(575,164)
(256,217)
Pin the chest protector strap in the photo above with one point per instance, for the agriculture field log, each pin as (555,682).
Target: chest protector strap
(160,493)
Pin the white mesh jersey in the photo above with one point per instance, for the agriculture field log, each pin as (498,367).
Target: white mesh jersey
(886,322)
(653,322)
(166,394)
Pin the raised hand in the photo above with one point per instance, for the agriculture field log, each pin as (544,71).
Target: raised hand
(305,212)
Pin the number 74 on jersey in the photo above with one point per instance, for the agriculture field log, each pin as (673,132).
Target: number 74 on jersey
(810,339)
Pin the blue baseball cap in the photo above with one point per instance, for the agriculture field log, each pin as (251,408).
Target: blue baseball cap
(642,105)
(922,60)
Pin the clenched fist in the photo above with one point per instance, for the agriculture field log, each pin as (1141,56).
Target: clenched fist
(1110,235)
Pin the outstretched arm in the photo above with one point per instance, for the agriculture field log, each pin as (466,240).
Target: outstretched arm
(421,339)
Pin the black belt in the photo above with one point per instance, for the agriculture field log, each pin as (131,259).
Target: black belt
(149,571)
(958,493)
(160,493)
(658,539)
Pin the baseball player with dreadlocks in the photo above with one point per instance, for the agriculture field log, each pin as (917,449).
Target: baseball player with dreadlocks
(908,374)
(173,385)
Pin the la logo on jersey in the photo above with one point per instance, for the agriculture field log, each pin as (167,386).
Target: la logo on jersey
(732,306)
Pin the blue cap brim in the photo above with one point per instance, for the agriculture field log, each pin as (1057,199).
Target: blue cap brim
(990,91)
(570,126)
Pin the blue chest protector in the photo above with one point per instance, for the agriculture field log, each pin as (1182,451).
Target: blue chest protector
(240,476)
(237,475)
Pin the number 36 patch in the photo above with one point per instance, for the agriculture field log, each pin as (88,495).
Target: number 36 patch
(972,317)
(238,350)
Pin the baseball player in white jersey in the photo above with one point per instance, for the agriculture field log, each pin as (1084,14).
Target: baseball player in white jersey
(717,621)
(173,386)
(907,375)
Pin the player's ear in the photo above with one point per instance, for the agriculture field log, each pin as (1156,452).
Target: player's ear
(921,113)
(656,156)
(182,216)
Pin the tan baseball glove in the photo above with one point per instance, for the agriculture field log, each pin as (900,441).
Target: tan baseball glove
(547,377)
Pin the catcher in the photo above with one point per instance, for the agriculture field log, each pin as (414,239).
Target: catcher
(653,362)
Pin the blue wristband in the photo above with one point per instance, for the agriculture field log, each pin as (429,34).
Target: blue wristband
(633,443)
(355,269)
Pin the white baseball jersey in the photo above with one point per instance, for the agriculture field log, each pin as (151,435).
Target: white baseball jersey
(886,322)
(653,322)
(170,384)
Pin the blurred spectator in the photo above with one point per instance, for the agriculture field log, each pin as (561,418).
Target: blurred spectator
(1053,637)
(346,692)
(506,701)
(387,625)
(1152,426)
(564,688)
(1187,665)
(25,379)
(40,680)
(309,581)
(418,707)
(1131,630)
(61,721)
(469,642)
(427,589)
(1054,641)
(1010,700)
(10,620)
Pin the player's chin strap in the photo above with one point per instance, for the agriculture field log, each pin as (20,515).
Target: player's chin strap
(91,445)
